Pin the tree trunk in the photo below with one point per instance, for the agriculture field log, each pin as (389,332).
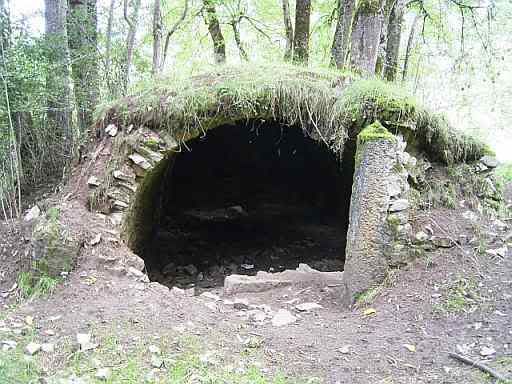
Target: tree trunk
(83,46)
(219,44)
(388,6)
(394,33)
(410,43)
(340,43)
(5,25)
(157,37)
(108,50)
(132,22)
(241,49)
(337,57)
(171,32)
(301,36)
(288,30)
(57,80)
(365,36)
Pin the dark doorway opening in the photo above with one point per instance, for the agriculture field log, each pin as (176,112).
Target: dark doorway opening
(249,197)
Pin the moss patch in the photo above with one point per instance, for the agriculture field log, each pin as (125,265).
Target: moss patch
(374,132)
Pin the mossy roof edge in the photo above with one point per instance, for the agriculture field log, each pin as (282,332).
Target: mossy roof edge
(327,104)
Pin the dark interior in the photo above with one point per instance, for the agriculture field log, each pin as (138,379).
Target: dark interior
(249,197)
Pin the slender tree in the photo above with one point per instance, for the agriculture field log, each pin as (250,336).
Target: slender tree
(410,45)
(83,46)
(365,36)
(212,21)
(394,34)
(108,50)
(157,37)
(301,35)
(171,32)
(132,22)
(341,40)
(288,30)
(57,81)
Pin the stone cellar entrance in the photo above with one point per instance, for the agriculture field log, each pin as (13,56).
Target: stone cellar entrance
(248,197)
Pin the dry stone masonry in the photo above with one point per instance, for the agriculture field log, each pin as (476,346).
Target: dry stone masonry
(379,228)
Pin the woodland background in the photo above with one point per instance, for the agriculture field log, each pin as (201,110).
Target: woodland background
(60,59)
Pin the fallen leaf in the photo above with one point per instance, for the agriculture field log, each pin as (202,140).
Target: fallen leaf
(410,347)
(370,311)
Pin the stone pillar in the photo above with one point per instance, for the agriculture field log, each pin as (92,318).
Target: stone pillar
(378,192)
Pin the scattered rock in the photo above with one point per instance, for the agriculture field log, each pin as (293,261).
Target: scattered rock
(96,239)
(154,349)
(111,130)
(501,252)
(398,205)
(140,276)
(33,213)
(421,237)
(253,342)
(489,161)
(48,347)
(487,351)
(283,317)
(245,284)
(140,161)
(157,361)
(183,292)
(119,175)
(241,304)
(306,307)
(345,349)
(470,215)
(103,374)
(256,315)
(93,181)
(85,341)
(8,345)
(191,269)
(442,242)
(32,348)
(209,295)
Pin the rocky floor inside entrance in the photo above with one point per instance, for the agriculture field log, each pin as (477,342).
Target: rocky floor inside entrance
(198,248)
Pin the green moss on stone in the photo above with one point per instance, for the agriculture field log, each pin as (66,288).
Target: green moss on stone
(375,131)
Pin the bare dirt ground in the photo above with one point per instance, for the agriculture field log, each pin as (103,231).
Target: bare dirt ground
(449,300)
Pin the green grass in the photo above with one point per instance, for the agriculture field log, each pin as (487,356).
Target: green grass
(462,295)
(30,286)
(131,363)
(504,172)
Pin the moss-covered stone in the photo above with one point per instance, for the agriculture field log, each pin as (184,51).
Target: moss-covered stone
(374,131)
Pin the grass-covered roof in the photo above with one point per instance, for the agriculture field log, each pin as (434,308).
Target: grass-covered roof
(326,104)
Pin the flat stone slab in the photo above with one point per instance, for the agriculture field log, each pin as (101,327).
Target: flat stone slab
(264,281)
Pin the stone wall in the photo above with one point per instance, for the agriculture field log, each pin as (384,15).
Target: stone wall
(378,232)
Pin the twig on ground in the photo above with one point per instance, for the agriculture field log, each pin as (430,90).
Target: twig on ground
(480,366)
